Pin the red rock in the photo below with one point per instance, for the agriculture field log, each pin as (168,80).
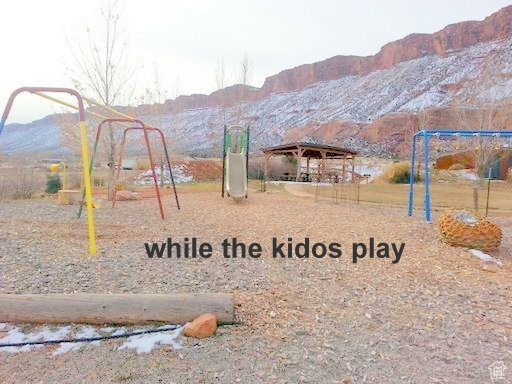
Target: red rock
(452,37)
(202,326)
(126,195)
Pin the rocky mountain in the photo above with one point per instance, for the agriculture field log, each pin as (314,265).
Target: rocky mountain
(458,77)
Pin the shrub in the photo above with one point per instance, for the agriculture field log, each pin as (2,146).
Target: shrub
(53,184)
(18,180)
(399,173)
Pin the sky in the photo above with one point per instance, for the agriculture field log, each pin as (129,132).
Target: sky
(186,39)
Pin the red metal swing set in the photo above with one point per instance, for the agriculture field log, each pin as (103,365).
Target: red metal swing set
(146,129)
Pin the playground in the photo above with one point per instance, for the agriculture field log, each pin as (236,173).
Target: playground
(401,290)
(230,192)
(282,317)
(370,314)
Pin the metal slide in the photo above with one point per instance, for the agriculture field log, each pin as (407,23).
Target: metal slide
(235,162)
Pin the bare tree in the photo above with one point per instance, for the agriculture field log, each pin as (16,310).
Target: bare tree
(70,137)
(479,116)
(245,70)
(102,68)
(244,78)
(480,110)
(178,107)
(220,84)
(155,94)
(220,75)
(423,123)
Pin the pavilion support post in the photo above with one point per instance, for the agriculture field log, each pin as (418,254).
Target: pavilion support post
(266,168)
(298,155)
(343,170)
(307,167)
(343,175)
(322,165)
(353,161)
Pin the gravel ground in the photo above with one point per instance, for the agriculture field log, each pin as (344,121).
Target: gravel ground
(439,315)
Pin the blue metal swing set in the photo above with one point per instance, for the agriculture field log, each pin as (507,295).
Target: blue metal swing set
(426,135)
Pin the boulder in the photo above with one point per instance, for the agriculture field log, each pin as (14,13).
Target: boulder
(202,326)
(126,196)
(465,228)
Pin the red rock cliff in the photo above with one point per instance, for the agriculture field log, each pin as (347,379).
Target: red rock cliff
(452,37)
(455,36)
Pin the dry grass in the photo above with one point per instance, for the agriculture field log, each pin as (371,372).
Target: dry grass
(443,195)
(459,195)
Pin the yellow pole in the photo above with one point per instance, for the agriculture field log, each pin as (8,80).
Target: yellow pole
(92,101)
(88,188)
(85,158)
(65,103)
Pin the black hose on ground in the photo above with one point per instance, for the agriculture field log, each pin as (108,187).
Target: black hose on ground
(90,339)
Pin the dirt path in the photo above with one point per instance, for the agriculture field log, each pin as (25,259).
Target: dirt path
(297,190)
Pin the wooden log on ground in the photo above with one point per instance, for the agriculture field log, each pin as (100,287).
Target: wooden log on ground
(114,308)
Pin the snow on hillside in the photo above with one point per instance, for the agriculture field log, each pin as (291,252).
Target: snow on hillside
(41,136)
(407,87)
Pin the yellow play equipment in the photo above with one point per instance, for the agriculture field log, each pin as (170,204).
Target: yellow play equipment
(42,92)
(67,196)
(60,167)
(84,146)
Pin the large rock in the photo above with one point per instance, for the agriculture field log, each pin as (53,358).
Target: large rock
(203,326)
(465,228)
(126,196)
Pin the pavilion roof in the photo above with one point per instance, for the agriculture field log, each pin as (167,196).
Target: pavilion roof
(311,150)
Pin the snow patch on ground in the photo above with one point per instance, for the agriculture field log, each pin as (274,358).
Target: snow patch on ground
(147,342)
(142,343)
(84,332)
(16,335)
(179,172)
(467,174)
(484,256)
